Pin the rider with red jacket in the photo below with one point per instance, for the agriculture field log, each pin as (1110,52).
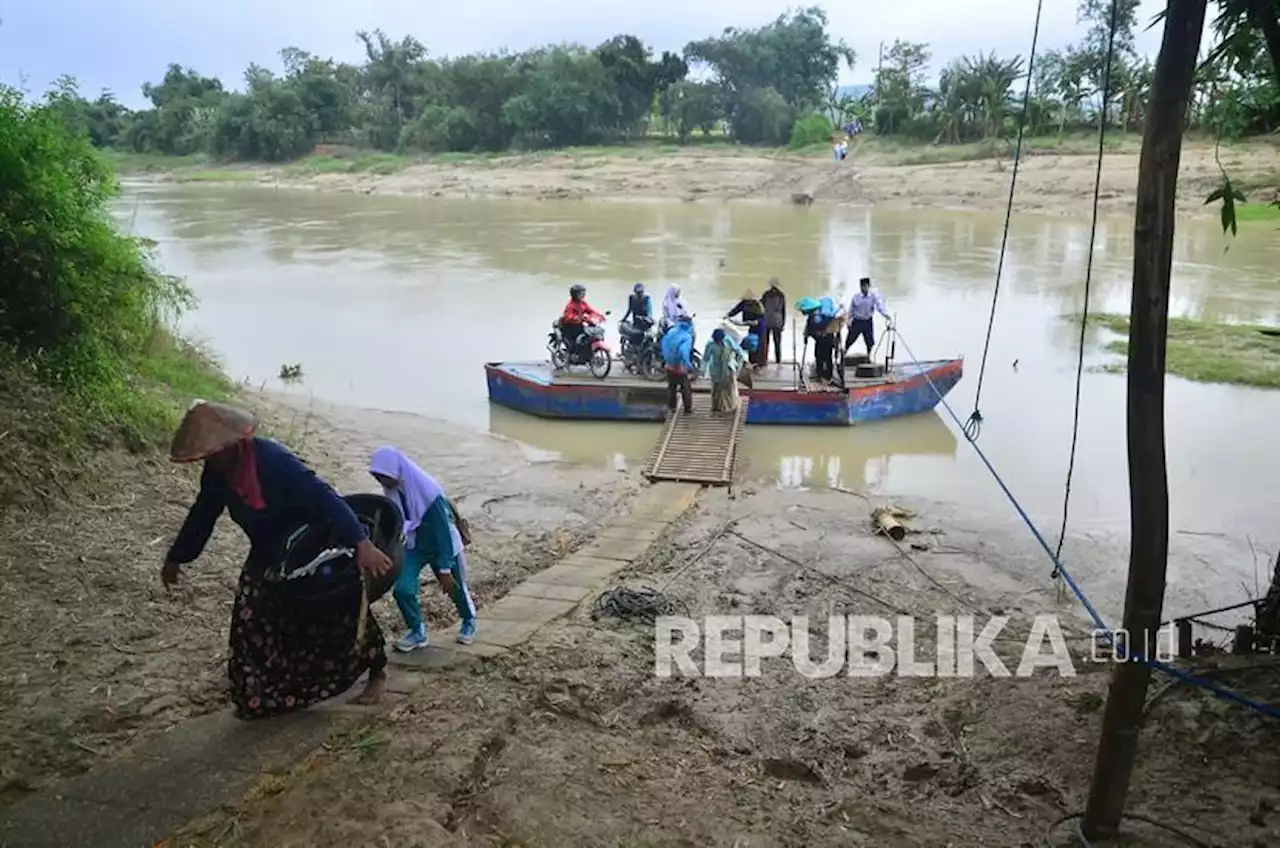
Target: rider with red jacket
(577,314)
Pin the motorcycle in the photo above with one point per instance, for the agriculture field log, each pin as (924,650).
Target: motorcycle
(639,352)
(590,350)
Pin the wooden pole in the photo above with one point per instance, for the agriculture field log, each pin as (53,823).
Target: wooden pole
(1154,219)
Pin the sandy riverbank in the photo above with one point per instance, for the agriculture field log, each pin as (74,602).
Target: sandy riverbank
(573,740)
(1050,181)
(98,653)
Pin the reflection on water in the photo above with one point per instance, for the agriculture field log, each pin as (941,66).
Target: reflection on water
(791,456)
(395,303)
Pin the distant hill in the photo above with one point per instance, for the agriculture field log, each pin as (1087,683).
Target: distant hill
(854,91)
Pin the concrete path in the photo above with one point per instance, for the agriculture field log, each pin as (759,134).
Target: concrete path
(195,767)
(555,591)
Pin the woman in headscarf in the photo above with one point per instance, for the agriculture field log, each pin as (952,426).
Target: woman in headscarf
(432,537)
(672,306)
(282,658)
(722,360)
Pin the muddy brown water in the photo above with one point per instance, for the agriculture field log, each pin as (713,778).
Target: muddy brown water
(395,303)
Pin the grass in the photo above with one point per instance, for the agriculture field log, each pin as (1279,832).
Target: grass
(47,434)
(1257,212)
(1207,352)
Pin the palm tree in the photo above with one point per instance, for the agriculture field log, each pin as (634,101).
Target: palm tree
(989,79)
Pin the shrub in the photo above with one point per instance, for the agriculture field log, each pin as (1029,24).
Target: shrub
(811,130)
(80,303)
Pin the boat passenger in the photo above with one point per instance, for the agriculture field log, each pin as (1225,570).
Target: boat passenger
(752,312)
(823,326)
(865,303)
(282,658)
(774,302)
(672,307)
(677,358)
(721,361)
(639,308)
(432,537)
(577,312)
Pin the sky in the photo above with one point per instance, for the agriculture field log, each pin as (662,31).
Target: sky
(120,44)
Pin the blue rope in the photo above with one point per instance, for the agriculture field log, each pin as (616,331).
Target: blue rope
(1060,569)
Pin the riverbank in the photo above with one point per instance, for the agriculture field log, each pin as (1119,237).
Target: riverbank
(517,748)
(573,739)
(100,654)
(1056,178)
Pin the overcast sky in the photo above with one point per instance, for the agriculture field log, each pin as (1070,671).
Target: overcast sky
(120,44)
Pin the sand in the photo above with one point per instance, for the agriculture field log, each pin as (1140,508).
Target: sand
(1048,182)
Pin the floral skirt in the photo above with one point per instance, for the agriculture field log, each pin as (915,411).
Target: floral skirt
(284,659)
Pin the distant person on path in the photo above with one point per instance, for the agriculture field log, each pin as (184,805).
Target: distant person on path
(752,312)
(865,303)
(281,659)
(677,358)
(721,361)
(640,307)
(432,537)
(775,318)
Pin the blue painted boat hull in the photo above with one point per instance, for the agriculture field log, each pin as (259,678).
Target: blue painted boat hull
(531,388)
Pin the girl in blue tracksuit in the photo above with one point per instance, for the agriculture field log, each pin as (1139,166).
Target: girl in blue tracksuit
(431,538)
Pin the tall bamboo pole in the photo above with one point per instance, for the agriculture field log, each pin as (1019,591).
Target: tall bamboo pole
(1154,219)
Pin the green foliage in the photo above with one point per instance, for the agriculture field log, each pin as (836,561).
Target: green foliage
(811,130)
(691,105)
(1229,196)
(769,75)
(82,306)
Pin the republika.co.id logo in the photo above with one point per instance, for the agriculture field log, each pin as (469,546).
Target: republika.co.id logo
(866,646)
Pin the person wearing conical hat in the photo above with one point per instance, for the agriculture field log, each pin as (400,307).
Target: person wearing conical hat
(281,659)
(752,312)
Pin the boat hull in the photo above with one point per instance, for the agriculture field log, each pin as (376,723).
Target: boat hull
(532,388)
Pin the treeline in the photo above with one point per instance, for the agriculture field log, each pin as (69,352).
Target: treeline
(770,85)
(979,97)
(402,100)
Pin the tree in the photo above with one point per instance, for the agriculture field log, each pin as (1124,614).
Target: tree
(899,87)
(793,56)
(636,79)
(690,106)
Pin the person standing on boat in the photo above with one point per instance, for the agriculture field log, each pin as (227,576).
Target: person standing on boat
(752,312)
(774,302)
(677,356)
(721,361)
(862,308)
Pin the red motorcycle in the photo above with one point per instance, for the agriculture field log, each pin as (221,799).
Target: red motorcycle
(590,349)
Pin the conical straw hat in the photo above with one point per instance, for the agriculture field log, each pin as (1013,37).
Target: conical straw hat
(208,428)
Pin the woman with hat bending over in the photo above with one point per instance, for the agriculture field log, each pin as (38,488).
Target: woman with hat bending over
(281,659)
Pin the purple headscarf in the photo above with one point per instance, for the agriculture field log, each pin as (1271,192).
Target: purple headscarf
(417,491)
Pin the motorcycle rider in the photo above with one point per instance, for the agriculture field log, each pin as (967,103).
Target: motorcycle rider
(577,314)
(640,307)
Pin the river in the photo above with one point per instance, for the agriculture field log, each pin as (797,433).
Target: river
(395,303)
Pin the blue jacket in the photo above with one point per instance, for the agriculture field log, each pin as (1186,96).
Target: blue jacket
(293,495)
(677,347)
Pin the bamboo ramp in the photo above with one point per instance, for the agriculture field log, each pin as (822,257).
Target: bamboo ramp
(701,447)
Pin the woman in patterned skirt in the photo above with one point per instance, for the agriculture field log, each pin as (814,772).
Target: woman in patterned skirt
(282,659)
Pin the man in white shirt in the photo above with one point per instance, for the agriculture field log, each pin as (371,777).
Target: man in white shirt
(861,309)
